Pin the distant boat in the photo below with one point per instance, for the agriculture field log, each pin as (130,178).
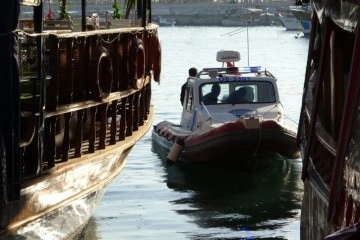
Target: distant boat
(244,17)
(303,15)
(164,22)
(228,21)
(289,21)
(266,19)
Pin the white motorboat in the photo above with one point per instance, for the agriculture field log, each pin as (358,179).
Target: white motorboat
(231,117)
(303,15)
(289,21)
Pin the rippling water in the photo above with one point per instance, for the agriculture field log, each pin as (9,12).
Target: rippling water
(150,200)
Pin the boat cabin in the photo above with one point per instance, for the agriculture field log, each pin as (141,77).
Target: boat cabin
(228,93)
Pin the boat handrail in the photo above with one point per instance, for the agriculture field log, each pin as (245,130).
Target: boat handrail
(234,74)
(220,69)
(247,69)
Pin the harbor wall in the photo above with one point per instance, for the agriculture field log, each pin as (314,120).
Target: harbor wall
(210,14)
(195,20)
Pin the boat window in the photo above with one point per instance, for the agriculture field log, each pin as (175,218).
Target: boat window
(213,93)
(251,92)
(257,92)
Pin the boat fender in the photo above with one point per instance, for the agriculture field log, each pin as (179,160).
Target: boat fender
(102,73)
(156,59)
(176,150)
(137,63)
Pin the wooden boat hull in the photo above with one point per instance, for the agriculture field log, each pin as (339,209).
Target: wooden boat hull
(66,196)
(315,200)
(72,218)
(330,142)
(231,144)
(74,104)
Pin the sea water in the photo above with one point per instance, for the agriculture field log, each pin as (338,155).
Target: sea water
(150,200)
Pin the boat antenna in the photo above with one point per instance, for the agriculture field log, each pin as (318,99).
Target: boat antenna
(247,37)
(234,32)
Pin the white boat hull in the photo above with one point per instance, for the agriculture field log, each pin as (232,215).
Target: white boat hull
(290,22)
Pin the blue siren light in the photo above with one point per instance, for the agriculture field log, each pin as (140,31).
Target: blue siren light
(252,69)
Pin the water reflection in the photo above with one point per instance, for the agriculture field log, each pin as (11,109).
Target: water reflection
(234,203)
(90,231)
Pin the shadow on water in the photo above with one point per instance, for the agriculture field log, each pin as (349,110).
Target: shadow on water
(89,232)
(256,205)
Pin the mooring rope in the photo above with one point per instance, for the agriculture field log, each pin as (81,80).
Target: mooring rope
(260,136)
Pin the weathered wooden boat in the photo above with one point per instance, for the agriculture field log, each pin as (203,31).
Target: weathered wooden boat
(72,108)
(329,123)
(231,117)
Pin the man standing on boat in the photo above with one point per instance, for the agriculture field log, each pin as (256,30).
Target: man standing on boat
(192,73)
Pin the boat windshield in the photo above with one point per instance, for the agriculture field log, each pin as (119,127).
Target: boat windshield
(237,92)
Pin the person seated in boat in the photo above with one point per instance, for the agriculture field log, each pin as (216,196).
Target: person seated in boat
(249,97)
(212,97)
(241,95)
(192,73)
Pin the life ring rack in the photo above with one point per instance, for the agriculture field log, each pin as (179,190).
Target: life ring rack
(101,73)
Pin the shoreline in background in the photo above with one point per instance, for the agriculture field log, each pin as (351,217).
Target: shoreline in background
(192,14)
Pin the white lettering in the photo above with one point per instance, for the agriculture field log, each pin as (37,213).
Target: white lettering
(233,79)
(235,57)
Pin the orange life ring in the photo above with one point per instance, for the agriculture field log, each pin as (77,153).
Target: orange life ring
(137,63)
(156,59)
(101,73)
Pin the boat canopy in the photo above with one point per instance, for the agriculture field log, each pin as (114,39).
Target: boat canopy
(346,14)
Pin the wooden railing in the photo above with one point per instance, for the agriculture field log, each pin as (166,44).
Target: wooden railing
(91,101)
